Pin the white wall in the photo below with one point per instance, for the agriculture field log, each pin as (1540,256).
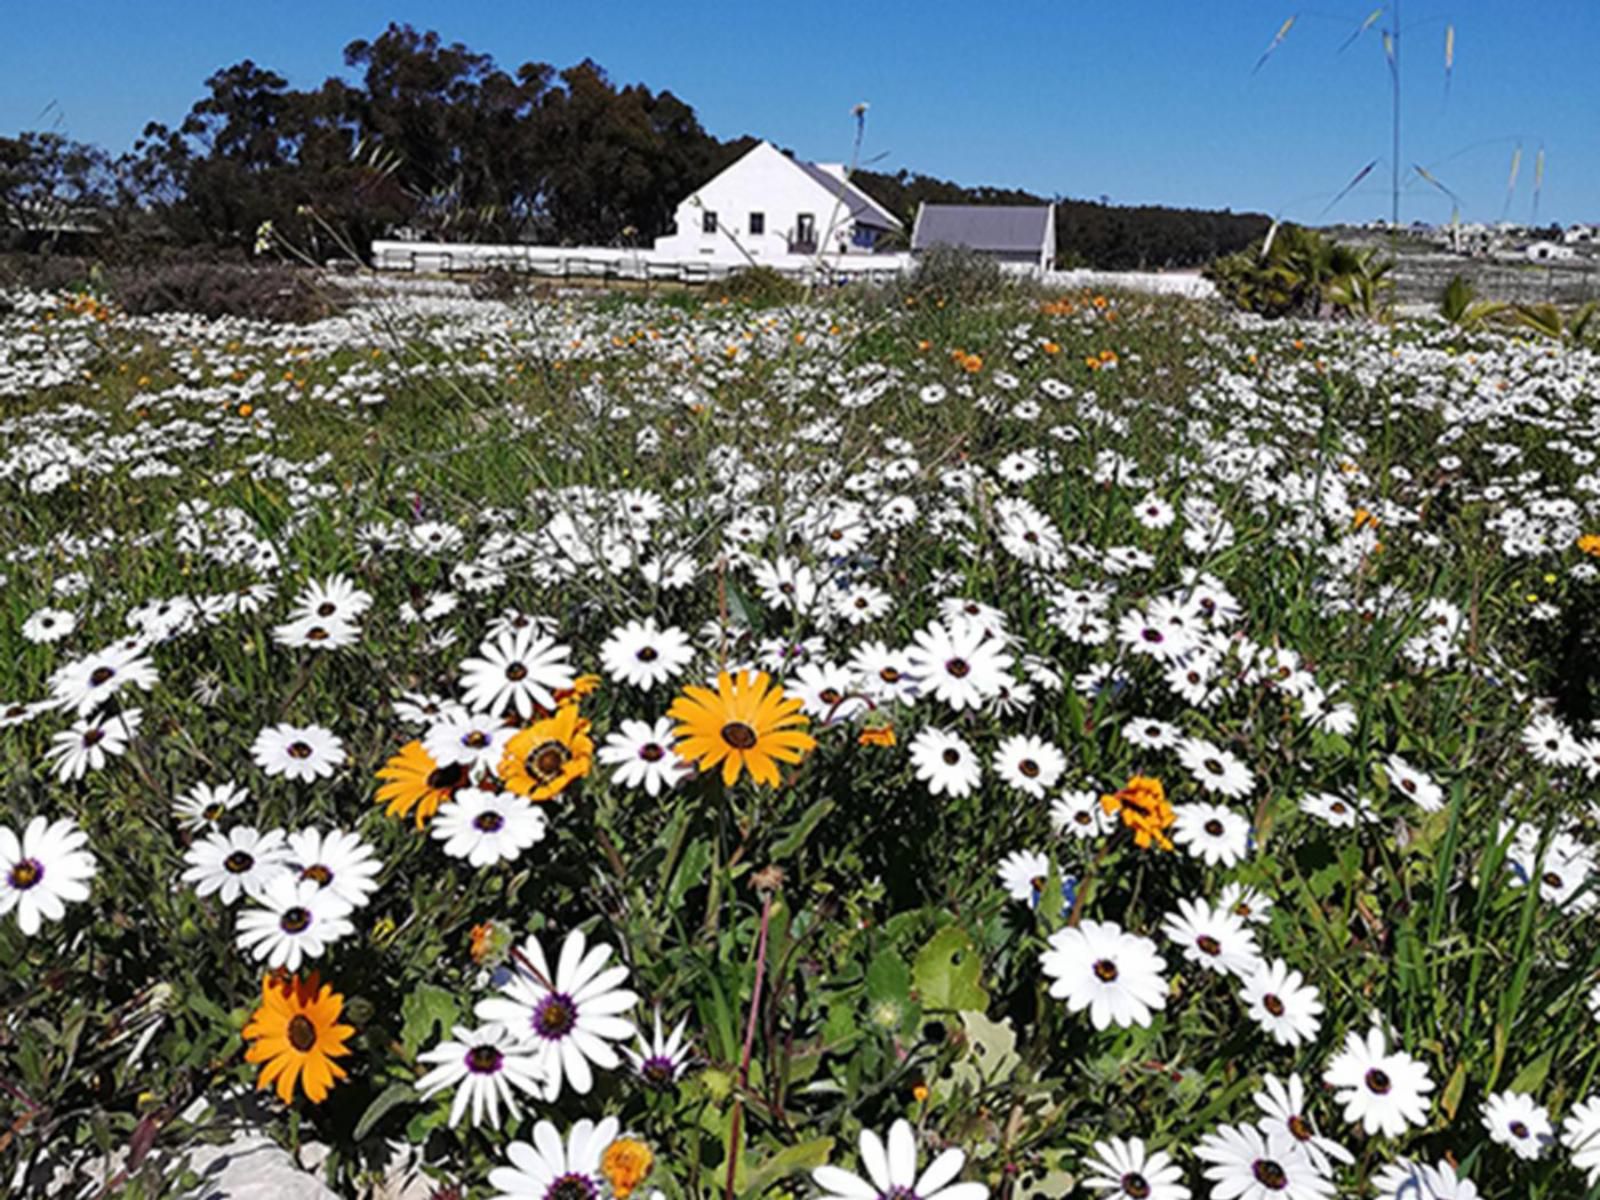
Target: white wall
(763,181)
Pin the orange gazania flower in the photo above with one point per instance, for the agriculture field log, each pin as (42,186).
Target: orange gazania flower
(625,1163)
(417,782)
(1143,806)
(548,755)
(876,735)
(296,1034)
(747,724)
(1589,544)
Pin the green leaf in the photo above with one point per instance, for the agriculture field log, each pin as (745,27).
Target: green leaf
(888,978)
(794,836)
(426,1007)
(691,872)
(1531,1077)
(392,1096)
(1450,1098)
(789,1161)
(947,971)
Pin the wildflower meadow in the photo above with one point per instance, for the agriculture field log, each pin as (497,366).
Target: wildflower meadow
(885,745)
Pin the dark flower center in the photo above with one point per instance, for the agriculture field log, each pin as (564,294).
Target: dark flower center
(93,736)
(951,757)
(1214,827)
(647,654)
(555,1016)
(298,750)
(476,740)
(1135,1185)
(1106,971)
(213,812)
(1028,767)
(238,862)
(1518,1129)
(302,1033)
(958,667)
(100,675)
(651,752)
(1213,766)
(1273,1005)
(572,1187)
(1269,1174)
(1378,1081)
(739,735)
(1208,945)
(484,1060)
(516,672)
(316,634)
(1300,1127)
(889,675)
(26,874)
(295,920)
(327,608)
(547,760)
(488,822)
(657,1070)
(1151,635)
(830,695)
(320,873)
(444,779)
(1551,879)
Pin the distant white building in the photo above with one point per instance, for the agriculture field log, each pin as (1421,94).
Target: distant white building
(1543,251)
(771,208)
(1018,235)
(1581,235)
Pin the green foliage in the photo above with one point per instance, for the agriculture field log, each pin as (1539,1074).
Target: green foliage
(1299,272)
(761,287)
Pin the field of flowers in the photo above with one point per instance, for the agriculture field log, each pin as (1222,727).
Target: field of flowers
(624,747)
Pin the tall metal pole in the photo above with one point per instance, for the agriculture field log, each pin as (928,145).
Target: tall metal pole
(1394,71)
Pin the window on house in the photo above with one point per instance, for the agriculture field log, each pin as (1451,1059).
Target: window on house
(805,228)
(708,222)
(758,222)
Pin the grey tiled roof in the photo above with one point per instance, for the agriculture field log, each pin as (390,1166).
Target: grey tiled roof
(1005,228)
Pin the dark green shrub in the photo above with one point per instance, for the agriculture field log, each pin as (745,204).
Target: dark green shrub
(215,289)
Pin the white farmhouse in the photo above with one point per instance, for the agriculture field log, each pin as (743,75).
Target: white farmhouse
(772,208)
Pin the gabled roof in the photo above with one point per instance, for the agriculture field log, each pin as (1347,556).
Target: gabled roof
(863,209)
(997,228)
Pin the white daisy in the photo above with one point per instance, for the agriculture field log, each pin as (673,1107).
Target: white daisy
(1216,835)
(42,870)
(1030,764)
(570,1014)
(91,743)
(642,756)
(239,862)
(1100,966)
(641,654)
(299,919)
(337,860)
(1250,1165)
(549,1170)
(1283,1108)
(203,806)
(517,669)
(944,762)
(1079,814)
(487,1067)
(1282,1003)
(1515,1120)
(1124,1170)
(891,1172)
(1213,938)
(1385,1091)
(300,752)
(486,827)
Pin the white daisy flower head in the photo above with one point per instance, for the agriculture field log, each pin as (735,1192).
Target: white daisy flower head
(89,682)
(1580,1134)
(641,756)
(517,669)
(891,1172)
(1414,785)
(1251,1165)
(299,752)
(1214,769)
(1279,1000)
(203,805)
(1029,763)
(487,1067)
(1099,966)
(1123,1170)
(240,862)
(1213,938)
(298,919)
(1518,1122)
(1247,903)
(486,827)
(550,1169)
(1080,814)
(945,763)
(42,871)
(1385,1091)
(644,655)
(1407,1180)
(1213,833)
(572,1014)
(91,743)
(1283,1115)
(661,1059)
(47,625)
(475,741)
(337,860)
(960,666)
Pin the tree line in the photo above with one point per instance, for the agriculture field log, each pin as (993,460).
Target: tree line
(439,140)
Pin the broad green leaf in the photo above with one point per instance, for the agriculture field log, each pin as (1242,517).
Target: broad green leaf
(791,1160)
(426,1007)
(391,1097)
(947,972)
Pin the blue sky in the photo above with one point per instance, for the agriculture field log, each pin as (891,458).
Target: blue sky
(1143,101)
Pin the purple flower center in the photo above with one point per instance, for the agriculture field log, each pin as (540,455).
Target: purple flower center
(25,874)
(555,1016)
(484,1060)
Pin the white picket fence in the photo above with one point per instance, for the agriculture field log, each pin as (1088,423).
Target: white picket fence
(604,262)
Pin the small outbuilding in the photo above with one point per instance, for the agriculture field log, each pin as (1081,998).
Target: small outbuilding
(1021,235)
